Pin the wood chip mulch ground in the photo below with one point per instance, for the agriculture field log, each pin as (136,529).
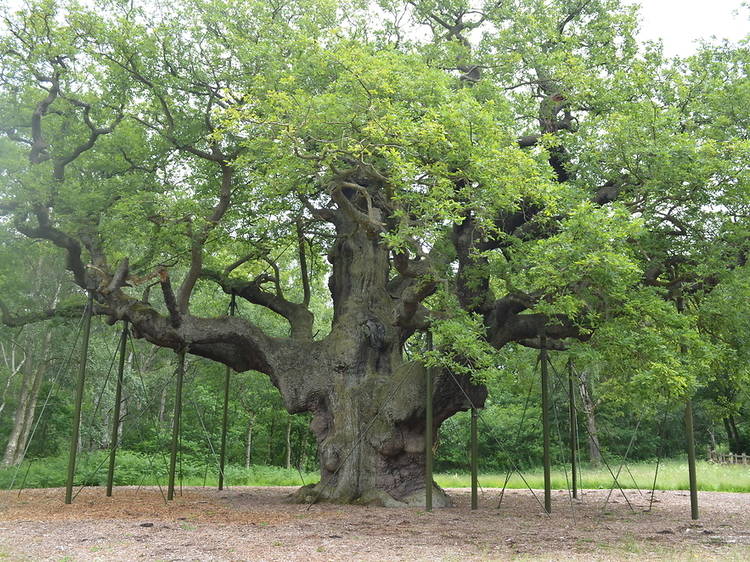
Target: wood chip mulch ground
(248,523)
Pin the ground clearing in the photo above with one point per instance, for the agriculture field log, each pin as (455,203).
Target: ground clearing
(247,523)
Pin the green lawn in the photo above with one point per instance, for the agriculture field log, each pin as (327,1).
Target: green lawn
(673,475)
(135,469)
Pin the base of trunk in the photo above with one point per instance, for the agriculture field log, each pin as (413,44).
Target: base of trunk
(315,493)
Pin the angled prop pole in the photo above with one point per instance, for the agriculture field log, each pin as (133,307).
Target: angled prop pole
(428,432)
(545,423)
(691,459)
(79,398)
(573,430)
(474,459)
(689,434)
(116,413)
(225,418)
(176,422)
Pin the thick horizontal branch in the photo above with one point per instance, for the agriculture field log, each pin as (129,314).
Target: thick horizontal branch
(527,328)
(16,320)
(233,341)
(299,317)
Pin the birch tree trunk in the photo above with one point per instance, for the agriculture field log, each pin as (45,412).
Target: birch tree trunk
(33,372)
(13,364)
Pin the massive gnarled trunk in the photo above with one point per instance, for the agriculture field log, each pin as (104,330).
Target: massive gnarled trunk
(370,430)
(368,404)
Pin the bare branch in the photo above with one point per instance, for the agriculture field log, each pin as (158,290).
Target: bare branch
(119,279)
(299,317)
(169,299)
(370,220)
(526,328)
(13,135)
(46,231)
(95,133)
(17,320)
(38,153)
(199,239)
(243,260)
(572,15)
(305,274)
(326,215)
(233,341)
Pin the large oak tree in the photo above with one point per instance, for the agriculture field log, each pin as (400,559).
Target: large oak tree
(492,171)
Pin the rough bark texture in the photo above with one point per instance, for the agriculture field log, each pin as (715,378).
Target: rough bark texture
(367,403)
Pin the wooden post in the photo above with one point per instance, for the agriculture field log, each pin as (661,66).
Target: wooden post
(79,398)
(545,424)
(176,422)
(116,413)
(573,430)
(474,459)
(225,419)
(691,459)
(428,432)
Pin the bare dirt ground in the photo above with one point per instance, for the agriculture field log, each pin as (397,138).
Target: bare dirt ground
(256,524)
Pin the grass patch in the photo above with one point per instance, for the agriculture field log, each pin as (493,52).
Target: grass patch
(673,475)
(134,469)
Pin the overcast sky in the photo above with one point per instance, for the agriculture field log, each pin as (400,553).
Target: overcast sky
(680,23)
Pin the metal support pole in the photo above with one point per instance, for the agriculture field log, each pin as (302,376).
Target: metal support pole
(225,419)
(428,432)
(474,459)
(691,459)
(573,430)
(545,425)
(116,414)
(79,398)
(176,422)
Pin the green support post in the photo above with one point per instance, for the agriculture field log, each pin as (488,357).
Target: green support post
(545,425)
(176,422)
(225,419)
(116,414)
(428,432)
(691,459)
(474,459)
(79,398)
(573,430)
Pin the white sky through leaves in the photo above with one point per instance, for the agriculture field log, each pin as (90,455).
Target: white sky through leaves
(680,23)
